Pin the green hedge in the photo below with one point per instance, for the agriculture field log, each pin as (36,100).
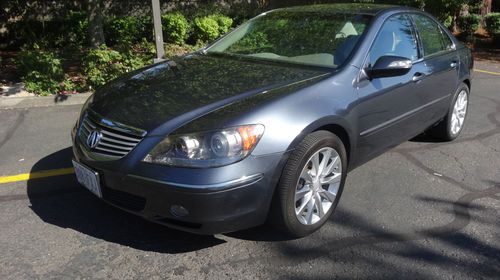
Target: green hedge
(42,72)
(209,28)
(175,28)
(103,64)
(205,29)
(469,23)
(492,23)
(70,31)
(122,32)
(125,31)
(225,23)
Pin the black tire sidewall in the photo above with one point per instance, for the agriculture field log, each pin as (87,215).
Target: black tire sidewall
(450,135)
(323,139)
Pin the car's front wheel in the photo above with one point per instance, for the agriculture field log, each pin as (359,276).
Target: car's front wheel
(311,184)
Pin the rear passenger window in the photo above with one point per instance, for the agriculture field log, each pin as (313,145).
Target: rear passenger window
(447,41)
(433,39)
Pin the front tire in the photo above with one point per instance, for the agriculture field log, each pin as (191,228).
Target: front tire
(451,126)
(311,184)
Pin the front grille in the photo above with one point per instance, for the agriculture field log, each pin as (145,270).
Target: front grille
(117,140)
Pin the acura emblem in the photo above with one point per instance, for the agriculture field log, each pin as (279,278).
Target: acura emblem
(94,138)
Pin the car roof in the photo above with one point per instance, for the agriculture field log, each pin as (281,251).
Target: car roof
(344,8)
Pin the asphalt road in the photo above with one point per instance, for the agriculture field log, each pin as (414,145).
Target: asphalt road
(423,210)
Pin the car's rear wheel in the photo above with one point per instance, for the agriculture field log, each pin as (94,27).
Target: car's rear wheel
(311,184)
(451,126)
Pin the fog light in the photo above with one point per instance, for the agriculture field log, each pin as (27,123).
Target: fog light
(178,211)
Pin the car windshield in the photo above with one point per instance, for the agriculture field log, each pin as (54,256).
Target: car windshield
(296,37)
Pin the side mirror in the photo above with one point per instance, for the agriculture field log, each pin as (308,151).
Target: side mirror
(389,66)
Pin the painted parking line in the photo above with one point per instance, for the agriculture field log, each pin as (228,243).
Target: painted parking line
(36,175)
(487,72)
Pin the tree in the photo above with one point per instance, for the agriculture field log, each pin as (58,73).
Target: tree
(95,27)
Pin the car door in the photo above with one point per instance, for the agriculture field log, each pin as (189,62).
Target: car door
(439,78)
(388,107)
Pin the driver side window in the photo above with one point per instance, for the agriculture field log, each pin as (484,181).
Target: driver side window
(395,38)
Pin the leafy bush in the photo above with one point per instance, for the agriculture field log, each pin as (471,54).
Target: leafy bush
(41,71)
(77,25)
(492,23)
(205,29)
(125,31)
(103,64)
(469,24)
(448,22)
(175,28)
(224,23)
(204,9)
(173,50)
(60,32)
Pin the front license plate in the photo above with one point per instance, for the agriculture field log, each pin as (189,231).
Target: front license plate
(88,178)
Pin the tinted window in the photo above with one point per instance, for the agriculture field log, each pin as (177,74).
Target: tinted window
(395,38)
(447,41)
(298,37)
(431,35)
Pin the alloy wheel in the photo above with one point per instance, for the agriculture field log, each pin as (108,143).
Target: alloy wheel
(459,111)
(318,185)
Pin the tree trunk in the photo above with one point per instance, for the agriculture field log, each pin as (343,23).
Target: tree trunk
(95,27)
(486,8)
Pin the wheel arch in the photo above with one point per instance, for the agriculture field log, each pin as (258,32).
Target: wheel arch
(467,82)
(333,124)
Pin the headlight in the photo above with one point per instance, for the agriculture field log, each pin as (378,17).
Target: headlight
(207,149)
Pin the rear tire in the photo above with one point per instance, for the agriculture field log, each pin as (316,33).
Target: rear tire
(311,184)
(451,126)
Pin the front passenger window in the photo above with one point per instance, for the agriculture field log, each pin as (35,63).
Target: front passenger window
(395,38)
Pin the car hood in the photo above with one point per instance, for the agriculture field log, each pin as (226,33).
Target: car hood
(152,96)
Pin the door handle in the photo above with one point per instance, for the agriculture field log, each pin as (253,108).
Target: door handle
(453,64)
(418,77)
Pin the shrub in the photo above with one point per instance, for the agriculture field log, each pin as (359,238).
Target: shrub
(492,23)
(102,65)
(59,32)
(173,50)
(41,71)
(139,55)
(224,23)
(124,31)
(469,24)
(76,35)
(448,22)
(205,9)
(205,29)
(175,28)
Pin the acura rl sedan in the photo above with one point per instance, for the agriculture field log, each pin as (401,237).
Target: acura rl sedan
(265,123)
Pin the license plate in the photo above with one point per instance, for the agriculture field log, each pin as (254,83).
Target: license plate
(88,178)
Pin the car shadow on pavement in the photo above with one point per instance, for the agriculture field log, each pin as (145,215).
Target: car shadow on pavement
(425,138)
(62,202)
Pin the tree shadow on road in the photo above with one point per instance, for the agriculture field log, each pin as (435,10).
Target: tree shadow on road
(62,202)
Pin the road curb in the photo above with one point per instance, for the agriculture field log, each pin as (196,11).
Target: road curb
(43,101)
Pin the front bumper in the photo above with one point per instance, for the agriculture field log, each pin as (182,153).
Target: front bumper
(217,200)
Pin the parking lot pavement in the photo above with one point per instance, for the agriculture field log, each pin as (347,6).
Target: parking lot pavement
(423,210)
